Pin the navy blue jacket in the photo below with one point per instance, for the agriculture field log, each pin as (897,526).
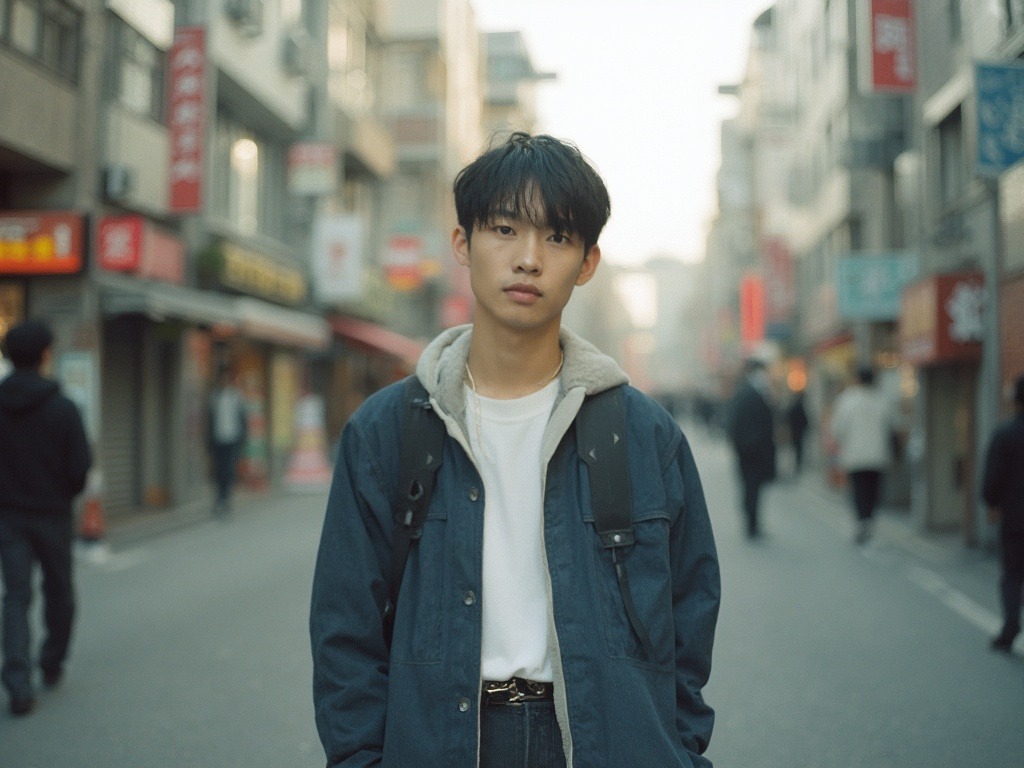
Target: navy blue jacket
(419,706)
(44,452)
(1003,484)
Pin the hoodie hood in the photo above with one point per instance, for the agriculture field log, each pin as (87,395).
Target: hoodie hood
(24,390)
(441,368)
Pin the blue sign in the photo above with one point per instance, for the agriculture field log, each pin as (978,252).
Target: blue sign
(1000,89)
(869,284)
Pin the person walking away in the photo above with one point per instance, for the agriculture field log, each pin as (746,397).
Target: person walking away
(1003,491)
(797,421)
(750,425)
(44,461)
(863,423)
(512,643)
(228,428)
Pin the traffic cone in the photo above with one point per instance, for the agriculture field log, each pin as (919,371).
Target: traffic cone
(92,524)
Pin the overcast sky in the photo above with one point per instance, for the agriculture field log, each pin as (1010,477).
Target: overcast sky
(637,91)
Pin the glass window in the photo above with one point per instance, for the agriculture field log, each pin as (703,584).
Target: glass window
(239,164)
(59,44)
(25,26)
(140,74)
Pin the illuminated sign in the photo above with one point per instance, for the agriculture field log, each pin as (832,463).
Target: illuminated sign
(41,243)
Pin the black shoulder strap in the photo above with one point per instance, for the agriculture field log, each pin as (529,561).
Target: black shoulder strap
(421,448)
(601,442)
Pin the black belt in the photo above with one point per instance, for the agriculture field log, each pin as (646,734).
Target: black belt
(515,691)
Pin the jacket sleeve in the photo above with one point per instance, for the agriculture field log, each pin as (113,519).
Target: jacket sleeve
(696,594)
(350,658)
(994,479)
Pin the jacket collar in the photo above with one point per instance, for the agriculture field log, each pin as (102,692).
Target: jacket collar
(441,368)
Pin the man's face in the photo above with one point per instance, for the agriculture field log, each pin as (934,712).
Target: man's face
(522,275)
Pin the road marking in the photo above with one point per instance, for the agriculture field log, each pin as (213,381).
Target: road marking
(954,599)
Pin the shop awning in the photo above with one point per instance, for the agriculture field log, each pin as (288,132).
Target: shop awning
(270,322)
(158,301)
(375,338)
(251,317)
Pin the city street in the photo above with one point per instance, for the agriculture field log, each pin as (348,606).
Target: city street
(192,647)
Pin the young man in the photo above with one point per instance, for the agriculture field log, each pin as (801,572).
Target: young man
(44,460)
(1003,491)
(511,643)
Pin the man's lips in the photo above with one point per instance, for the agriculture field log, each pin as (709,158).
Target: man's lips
(523,293)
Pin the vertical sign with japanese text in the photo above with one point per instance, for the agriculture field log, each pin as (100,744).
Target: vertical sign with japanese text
(893,56)
(186,88)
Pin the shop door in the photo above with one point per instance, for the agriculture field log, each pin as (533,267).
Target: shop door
(951,448)
(121,384)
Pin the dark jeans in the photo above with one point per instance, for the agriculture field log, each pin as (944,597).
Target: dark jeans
(27,538)
(225,463)
(1011,583)
(522,735)
(866,485)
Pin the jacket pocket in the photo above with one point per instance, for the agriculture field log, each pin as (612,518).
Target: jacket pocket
(648,568)
(419,622)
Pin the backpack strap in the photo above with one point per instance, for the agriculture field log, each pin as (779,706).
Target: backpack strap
(601,442)
(421,448)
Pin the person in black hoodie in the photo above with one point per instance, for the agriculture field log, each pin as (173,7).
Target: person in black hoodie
(44,460)
(1003,491)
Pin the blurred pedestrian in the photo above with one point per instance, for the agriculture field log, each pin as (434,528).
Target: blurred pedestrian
(863,424)
(751,428)
(44,460)
(228,429)
(517,639)
(797,421)
(1003,491)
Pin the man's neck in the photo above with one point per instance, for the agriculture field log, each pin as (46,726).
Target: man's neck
(507,365)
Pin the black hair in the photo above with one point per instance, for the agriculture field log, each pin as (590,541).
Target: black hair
(573,196)
(866,375)
(26,342)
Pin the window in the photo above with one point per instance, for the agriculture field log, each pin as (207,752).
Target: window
(951,159)
(239,167)
(46,30)
(25,26)
(139,73)
(956,20)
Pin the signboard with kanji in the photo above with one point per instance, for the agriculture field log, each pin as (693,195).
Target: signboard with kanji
(1000,89)
(185,118)
(887,31)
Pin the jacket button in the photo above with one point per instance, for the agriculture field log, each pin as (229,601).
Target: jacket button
(474,494)
(463,704)
(468,597)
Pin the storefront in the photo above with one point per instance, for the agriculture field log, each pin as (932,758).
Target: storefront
(941,329)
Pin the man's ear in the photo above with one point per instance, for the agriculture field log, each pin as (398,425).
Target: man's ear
(589,266)
(460,246)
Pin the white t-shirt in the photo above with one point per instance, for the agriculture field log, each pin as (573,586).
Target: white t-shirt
(506,437)
(227,406)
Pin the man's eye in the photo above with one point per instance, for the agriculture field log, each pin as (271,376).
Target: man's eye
(503,229)
(560,239)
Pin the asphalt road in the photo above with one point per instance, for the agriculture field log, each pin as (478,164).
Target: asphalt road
(191,648)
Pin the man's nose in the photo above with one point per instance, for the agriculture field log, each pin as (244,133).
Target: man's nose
(529,259)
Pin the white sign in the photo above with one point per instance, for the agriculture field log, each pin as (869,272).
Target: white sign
(338,258)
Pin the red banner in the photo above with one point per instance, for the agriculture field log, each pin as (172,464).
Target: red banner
(752,311)
(41,243)
(893,53)
(186,74)
(133,244)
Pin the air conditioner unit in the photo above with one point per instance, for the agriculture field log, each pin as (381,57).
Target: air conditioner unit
(246,15)
(118,182)
(296,51)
